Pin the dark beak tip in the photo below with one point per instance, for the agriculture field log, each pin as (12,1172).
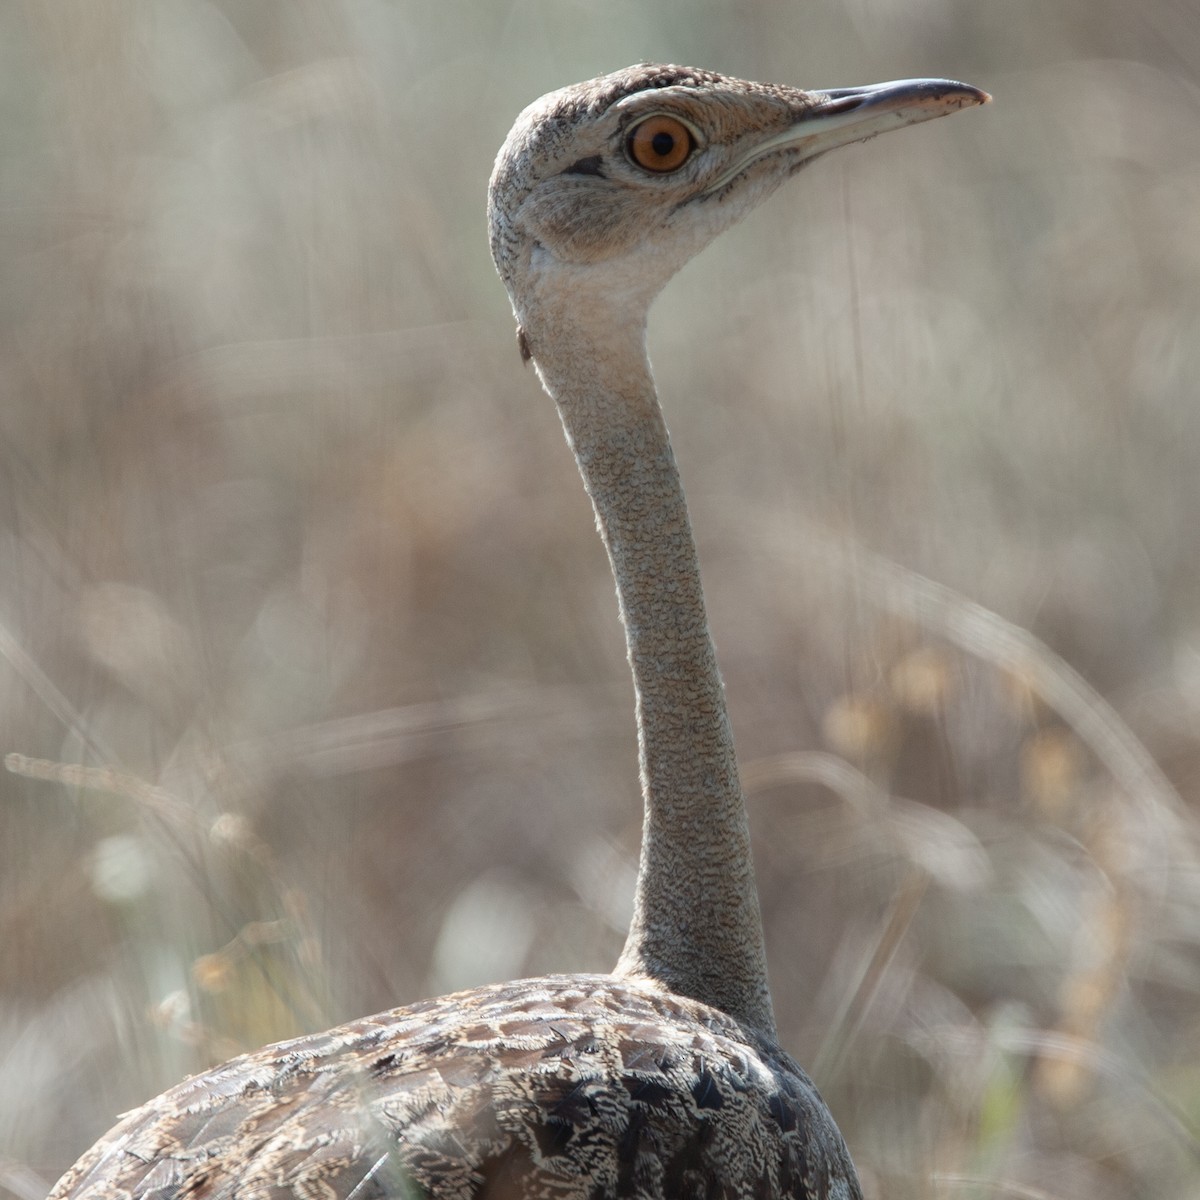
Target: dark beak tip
(974,95)
(966,95)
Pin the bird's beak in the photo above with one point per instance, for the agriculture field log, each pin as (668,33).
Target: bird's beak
(844,115)
(851,114)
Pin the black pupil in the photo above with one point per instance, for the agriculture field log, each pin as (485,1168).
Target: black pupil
(662,144)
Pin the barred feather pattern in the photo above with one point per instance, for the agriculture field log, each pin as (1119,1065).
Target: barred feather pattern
(560,1088)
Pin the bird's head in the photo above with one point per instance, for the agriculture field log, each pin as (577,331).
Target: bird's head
(606,188)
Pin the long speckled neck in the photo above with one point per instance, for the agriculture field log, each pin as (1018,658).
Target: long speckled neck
(697,927)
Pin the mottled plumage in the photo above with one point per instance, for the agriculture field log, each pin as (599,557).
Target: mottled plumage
(564,1086)
(664,1080)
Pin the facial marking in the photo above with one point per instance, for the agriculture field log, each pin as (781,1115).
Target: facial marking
(592,165)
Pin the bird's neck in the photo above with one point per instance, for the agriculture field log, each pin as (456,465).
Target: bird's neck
(697,927)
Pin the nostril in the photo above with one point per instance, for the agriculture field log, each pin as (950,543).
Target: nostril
(842,102)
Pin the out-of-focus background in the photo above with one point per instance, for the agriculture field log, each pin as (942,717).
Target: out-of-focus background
(294,561)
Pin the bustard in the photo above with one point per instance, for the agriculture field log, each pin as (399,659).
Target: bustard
(665,1078)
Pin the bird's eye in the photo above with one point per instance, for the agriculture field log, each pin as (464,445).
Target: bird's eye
(660,144)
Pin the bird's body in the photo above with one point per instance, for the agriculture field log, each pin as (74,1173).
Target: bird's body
(560,1087)
(664,1079)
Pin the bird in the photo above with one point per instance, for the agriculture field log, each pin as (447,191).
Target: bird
(664,1078)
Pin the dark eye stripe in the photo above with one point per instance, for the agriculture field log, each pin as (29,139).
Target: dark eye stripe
(586,166)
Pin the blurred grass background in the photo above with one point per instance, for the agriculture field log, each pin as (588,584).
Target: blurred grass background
(293,556)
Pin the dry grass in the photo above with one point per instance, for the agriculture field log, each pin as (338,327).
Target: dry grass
(293,561)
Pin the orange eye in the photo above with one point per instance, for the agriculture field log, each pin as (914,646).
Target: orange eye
(660,144)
